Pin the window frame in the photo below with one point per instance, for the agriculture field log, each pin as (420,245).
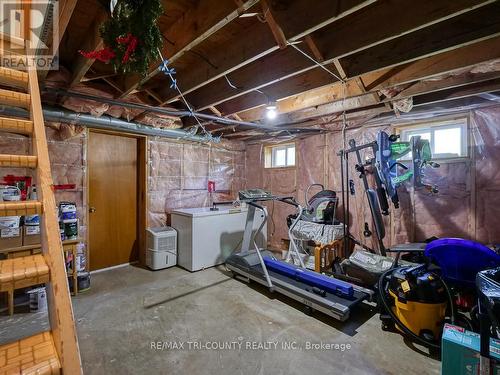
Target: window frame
(438,124)
(270,155)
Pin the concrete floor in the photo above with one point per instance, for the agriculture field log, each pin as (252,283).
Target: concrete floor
(129,308)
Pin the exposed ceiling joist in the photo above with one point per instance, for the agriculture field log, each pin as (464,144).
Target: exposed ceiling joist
(418,70)
(421,92)
(198,24)
(278,34)
(352,30)
(254,45)
(479,24)
(66,8)
(457,92)
(93,42)
(401,51)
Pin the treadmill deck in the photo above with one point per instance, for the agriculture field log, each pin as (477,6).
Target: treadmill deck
(331,304)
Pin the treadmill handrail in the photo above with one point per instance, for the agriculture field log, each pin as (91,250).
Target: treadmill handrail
(292,237)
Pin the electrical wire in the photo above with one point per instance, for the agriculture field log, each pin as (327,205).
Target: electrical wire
(174,85)
(315,61)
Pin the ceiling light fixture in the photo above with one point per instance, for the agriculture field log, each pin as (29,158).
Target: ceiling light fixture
(271,112)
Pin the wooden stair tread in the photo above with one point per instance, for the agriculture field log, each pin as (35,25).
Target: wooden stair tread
(32,355)
(16,126)
(18,161)
(22,272)
(21,208)
(12,77)
(15,99)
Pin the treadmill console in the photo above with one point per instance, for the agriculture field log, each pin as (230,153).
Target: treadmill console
(253,194)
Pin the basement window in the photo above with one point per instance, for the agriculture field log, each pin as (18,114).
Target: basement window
(280,156)
(448,139)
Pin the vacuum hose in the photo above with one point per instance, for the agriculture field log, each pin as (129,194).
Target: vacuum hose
(383,299)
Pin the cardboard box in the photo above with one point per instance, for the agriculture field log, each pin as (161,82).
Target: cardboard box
(12,237)
(460,352)
(31,235)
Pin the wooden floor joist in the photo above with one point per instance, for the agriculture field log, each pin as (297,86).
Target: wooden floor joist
(18,161)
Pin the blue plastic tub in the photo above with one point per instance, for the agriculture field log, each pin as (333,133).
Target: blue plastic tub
(460,260)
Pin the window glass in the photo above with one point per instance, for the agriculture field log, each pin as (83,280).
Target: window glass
(448,139)
(290,156)
(280,157)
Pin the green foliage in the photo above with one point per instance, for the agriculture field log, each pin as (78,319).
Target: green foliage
(139,18)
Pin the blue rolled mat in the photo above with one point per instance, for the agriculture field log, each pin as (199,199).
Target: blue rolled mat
(309,277)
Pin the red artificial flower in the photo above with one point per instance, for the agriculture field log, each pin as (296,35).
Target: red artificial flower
(103,55)
(131,42)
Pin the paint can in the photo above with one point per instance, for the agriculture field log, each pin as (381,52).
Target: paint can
(70,229)
(10,193)
(38,299)
(81,257)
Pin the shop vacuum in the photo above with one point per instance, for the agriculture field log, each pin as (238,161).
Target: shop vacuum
(414,300)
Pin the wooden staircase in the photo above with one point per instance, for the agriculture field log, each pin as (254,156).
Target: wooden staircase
(55,351)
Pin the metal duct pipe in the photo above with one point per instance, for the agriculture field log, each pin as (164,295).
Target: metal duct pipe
(105,122)
(176,113)
(170,112)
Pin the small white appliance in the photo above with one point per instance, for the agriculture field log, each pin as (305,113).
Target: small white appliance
(162,247)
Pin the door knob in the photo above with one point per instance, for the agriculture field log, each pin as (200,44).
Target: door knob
(92,210)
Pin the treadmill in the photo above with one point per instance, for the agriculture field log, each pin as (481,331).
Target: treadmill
(315,291)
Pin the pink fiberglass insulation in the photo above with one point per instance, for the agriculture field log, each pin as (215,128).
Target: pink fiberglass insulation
(467,205)
(179,175)
(486,128)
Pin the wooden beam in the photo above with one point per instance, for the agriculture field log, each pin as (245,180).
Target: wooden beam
(66,8)
(251,77)
(426,68)
(281,65)
(318,55)
(457,92)
(153,94)
(257,43)
(97,76)
(278,34)
(93,43)
(310,80)
(401,51)
(434,65)
(479,24)
(198,24)
(448,83)
(290,15)
(422,92)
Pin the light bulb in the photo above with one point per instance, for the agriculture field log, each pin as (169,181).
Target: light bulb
(271,114)
(271,111)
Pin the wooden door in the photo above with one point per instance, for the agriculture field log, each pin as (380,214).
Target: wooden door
(113,199)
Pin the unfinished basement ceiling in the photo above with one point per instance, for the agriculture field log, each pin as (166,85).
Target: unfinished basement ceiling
(233,58)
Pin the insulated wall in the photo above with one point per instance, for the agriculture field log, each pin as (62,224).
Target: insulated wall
(177,172)
(467,205)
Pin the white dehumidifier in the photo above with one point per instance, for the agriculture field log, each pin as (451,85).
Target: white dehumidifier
(162,248)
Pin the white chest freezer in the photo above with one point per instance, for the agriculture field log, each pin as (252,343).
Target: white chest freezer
(206,238)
